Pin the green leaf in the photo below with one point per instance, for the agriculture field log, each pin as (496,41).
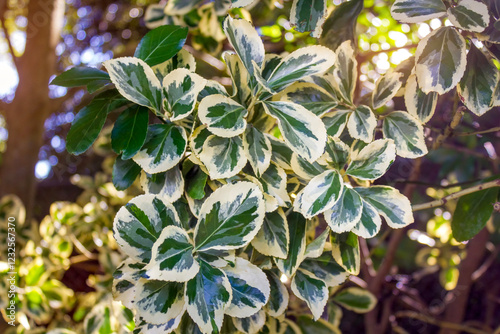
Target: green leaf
(230,218)
(345,214)
(369,224)
(218,258)
(196,180)
(139,223)
(312,290)
(161,44)
(89,121)
(356,299)
(181,88)
(207,295)
(469,15)
(311,96)
(297,248)
(414,11)
(320,326)
(390,204)
(168,185)
(136,81)
(172,257)
(273,238)
(345,251)
(299,64)
(472,213)
(164,148)
(129,132)
(419,104)
(124,173)
(386,88)
(340,26)
(479,81)
(440,60)
(223,116)
(246,42)
(326,269)
(320,194)
(223,157)
(346,71)
(159,302)
(335,122)
(362,124)
(278,298)
(252,324)
(144,327)
(407,133)
(303,131)
(373,160)
(257,149)
(308,15)
(82,76)
(250,288)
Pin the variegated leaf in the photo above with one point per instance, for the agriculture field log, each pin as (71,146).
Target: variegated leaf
(223,157)
(356,299)
(252,324)
(125,281)
(407,133)
(183,59)
(326,269)
(469,15)
(346,71)
(207,296)
(299,64)
(440,60)
(419,104)
(154,16)
(320,194)
(230,218)
(303,131)
(346,212)
(282,154)
(369,224)
(258,150)
(172,257)
(374,160)
(246,42)
(306,286)
(250,288)
(139,223)
(336,153)
(223,116)
(274,184)
(478,83)
(297,247)
(241,3)
(136,81)
(218,258)
(306,170)
(168,185)
(308,325)
(242,93)
(345,251)
(278,298)
(311,96)
(362,124)
(159,302)
(315,248)
(143,327)
(211,88)
(181,88)
(198,139)
(390,204)
(335,122)
(386,88)
(180,7)
(414,11)
(164,148)
(308,15)
(274,237)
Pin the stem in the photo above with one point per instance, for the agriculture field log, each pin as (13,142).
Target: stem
(433,321)
(455,120)
(478,132)
(456,195)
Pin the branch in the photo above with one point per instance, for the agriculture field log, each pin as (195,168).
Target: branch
(436,322)
(444,200)
(478,132)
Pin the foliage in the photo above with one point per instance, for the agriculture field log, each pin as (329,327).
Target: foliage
(238,185)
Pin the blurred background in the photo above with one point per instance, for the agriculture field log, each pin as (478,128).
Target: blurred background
(67,202)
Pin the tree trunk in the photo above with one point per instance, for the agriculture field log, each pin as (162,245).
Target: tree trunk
(26,115)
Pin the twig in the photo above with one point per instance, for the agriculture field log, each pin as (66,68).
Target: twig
(452,185)
(444,200)
(455,120)
(477,132)
(436,322)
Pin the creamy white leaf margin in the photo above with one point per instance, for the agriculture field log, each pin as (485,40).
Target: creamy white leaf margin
(223,157)
(469,15)
(415,11)
(386,88)
(231,113)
